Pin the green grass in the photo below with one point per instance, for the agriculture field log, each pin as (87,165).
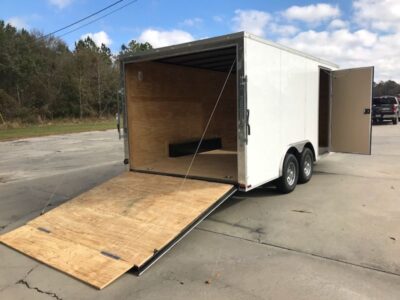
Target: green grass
(58,127)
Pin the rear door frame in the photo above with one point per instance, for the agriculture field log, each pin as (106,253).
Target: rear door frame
(231,40)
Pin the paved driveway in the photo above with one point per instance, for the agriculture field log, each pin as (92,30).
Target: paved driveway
(337,237)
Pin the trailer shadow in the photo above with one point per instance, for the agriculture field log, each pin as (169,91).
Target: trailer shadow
(238,197)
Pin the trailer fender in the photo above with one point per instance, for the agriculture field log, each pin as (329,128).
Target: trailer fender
(295,149)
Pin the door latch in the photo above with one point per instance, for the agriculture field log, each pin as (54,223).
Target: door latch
(367,111)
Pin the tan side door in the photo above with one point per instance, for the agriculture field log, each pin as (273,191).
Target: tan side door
(351,110)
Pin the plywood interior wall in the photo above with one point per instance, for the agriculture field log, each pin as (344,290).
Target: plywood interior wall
(170,104)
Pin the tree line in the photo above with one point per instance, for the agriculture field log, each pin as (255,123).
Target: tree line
(386,88)
(42,79)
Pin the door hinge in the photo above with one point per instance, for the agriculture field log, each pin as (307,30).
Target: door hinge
(110,255)
(248,131)
(44,229)
(243,79)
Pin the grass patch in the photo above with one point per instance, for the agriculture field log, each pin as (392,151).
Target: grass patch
(58,127)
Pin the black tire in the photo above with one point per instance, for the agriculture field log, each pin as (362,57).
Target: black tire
(395,121)
(306,167)
(290,174)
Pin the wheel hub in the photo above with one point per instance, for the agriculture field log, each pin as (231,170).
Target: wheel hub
(307,166)
(291,173)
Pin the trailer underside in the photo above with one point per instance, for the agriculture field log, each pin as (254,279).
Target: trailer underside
(125,223)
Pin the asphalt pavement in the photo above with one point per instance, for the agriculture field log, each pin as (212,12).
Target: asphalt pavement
(336,237)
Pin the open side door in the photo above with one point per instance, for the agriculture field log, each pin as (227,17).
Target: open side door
(126,223)
(351,110)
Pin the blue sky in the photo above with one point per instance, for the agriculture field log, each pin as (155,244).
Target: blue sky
(351,33)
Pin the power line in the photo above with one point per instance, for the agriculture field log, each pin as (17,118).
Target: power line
(99,18)
(83,19)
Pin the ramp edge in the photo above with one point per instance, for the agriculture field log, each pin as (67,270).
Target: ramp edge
(139,270)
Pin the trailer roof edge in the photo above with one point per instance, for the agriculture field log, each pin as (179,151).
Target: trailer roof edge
(193,44)
(217,40)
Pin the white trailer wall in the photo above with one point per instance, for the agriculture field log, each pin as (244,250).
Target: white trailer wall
(282,96)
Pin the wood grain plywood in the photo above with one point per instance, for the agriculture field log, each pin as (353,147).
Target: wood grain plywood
(72,258)
(172,104)
(128,217)
(217,164)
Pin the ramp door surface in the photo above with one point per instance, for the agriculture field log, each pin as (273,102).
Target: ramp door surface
(121,224)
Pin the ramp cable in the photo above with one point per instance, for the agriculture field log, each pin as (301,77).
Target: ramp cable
(207,125)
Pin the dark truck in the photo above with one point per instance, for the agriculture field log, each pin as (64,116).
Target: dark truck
(385,108)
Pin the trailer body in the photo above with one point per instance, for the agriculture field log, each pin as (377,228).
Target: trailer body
(279,100)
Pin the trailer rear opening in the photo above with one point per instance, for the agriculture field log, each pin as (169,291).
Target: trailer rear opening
(169,102)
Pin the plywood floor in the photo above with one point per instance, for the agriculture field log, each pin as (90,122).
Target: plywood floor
(99,235)
(216,164)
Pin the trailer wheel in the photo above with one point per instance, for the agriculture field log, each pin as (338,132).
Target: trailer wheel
(306,166)
(290,174)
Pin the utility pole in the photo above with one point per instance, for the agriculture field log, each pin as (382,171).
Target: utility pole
(98,87)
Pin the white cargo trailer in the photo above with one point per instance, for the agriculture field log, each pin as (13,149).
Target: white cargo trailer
(277,102)
(261,111)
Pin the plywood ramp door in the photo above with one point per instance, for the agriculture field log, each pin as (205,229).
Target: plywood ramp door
(99,235)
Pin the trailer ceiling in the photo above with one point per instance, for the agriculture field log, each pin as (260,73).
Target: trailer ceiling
(217,60)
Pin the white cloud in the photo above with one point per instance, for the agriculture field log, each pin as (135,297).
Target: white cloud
(252,21)
(283,30)
(338,24)
(161,38)
(99,38)
(194,22)
(17,22)
(313,13)
(353,49)
(60,3)
(339,46)
(218,19)
(369,36)
(383,15)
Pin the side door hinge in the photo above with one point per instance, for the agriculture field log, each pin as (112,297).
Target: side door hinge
(244,112)
(243,80)
(248,131)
